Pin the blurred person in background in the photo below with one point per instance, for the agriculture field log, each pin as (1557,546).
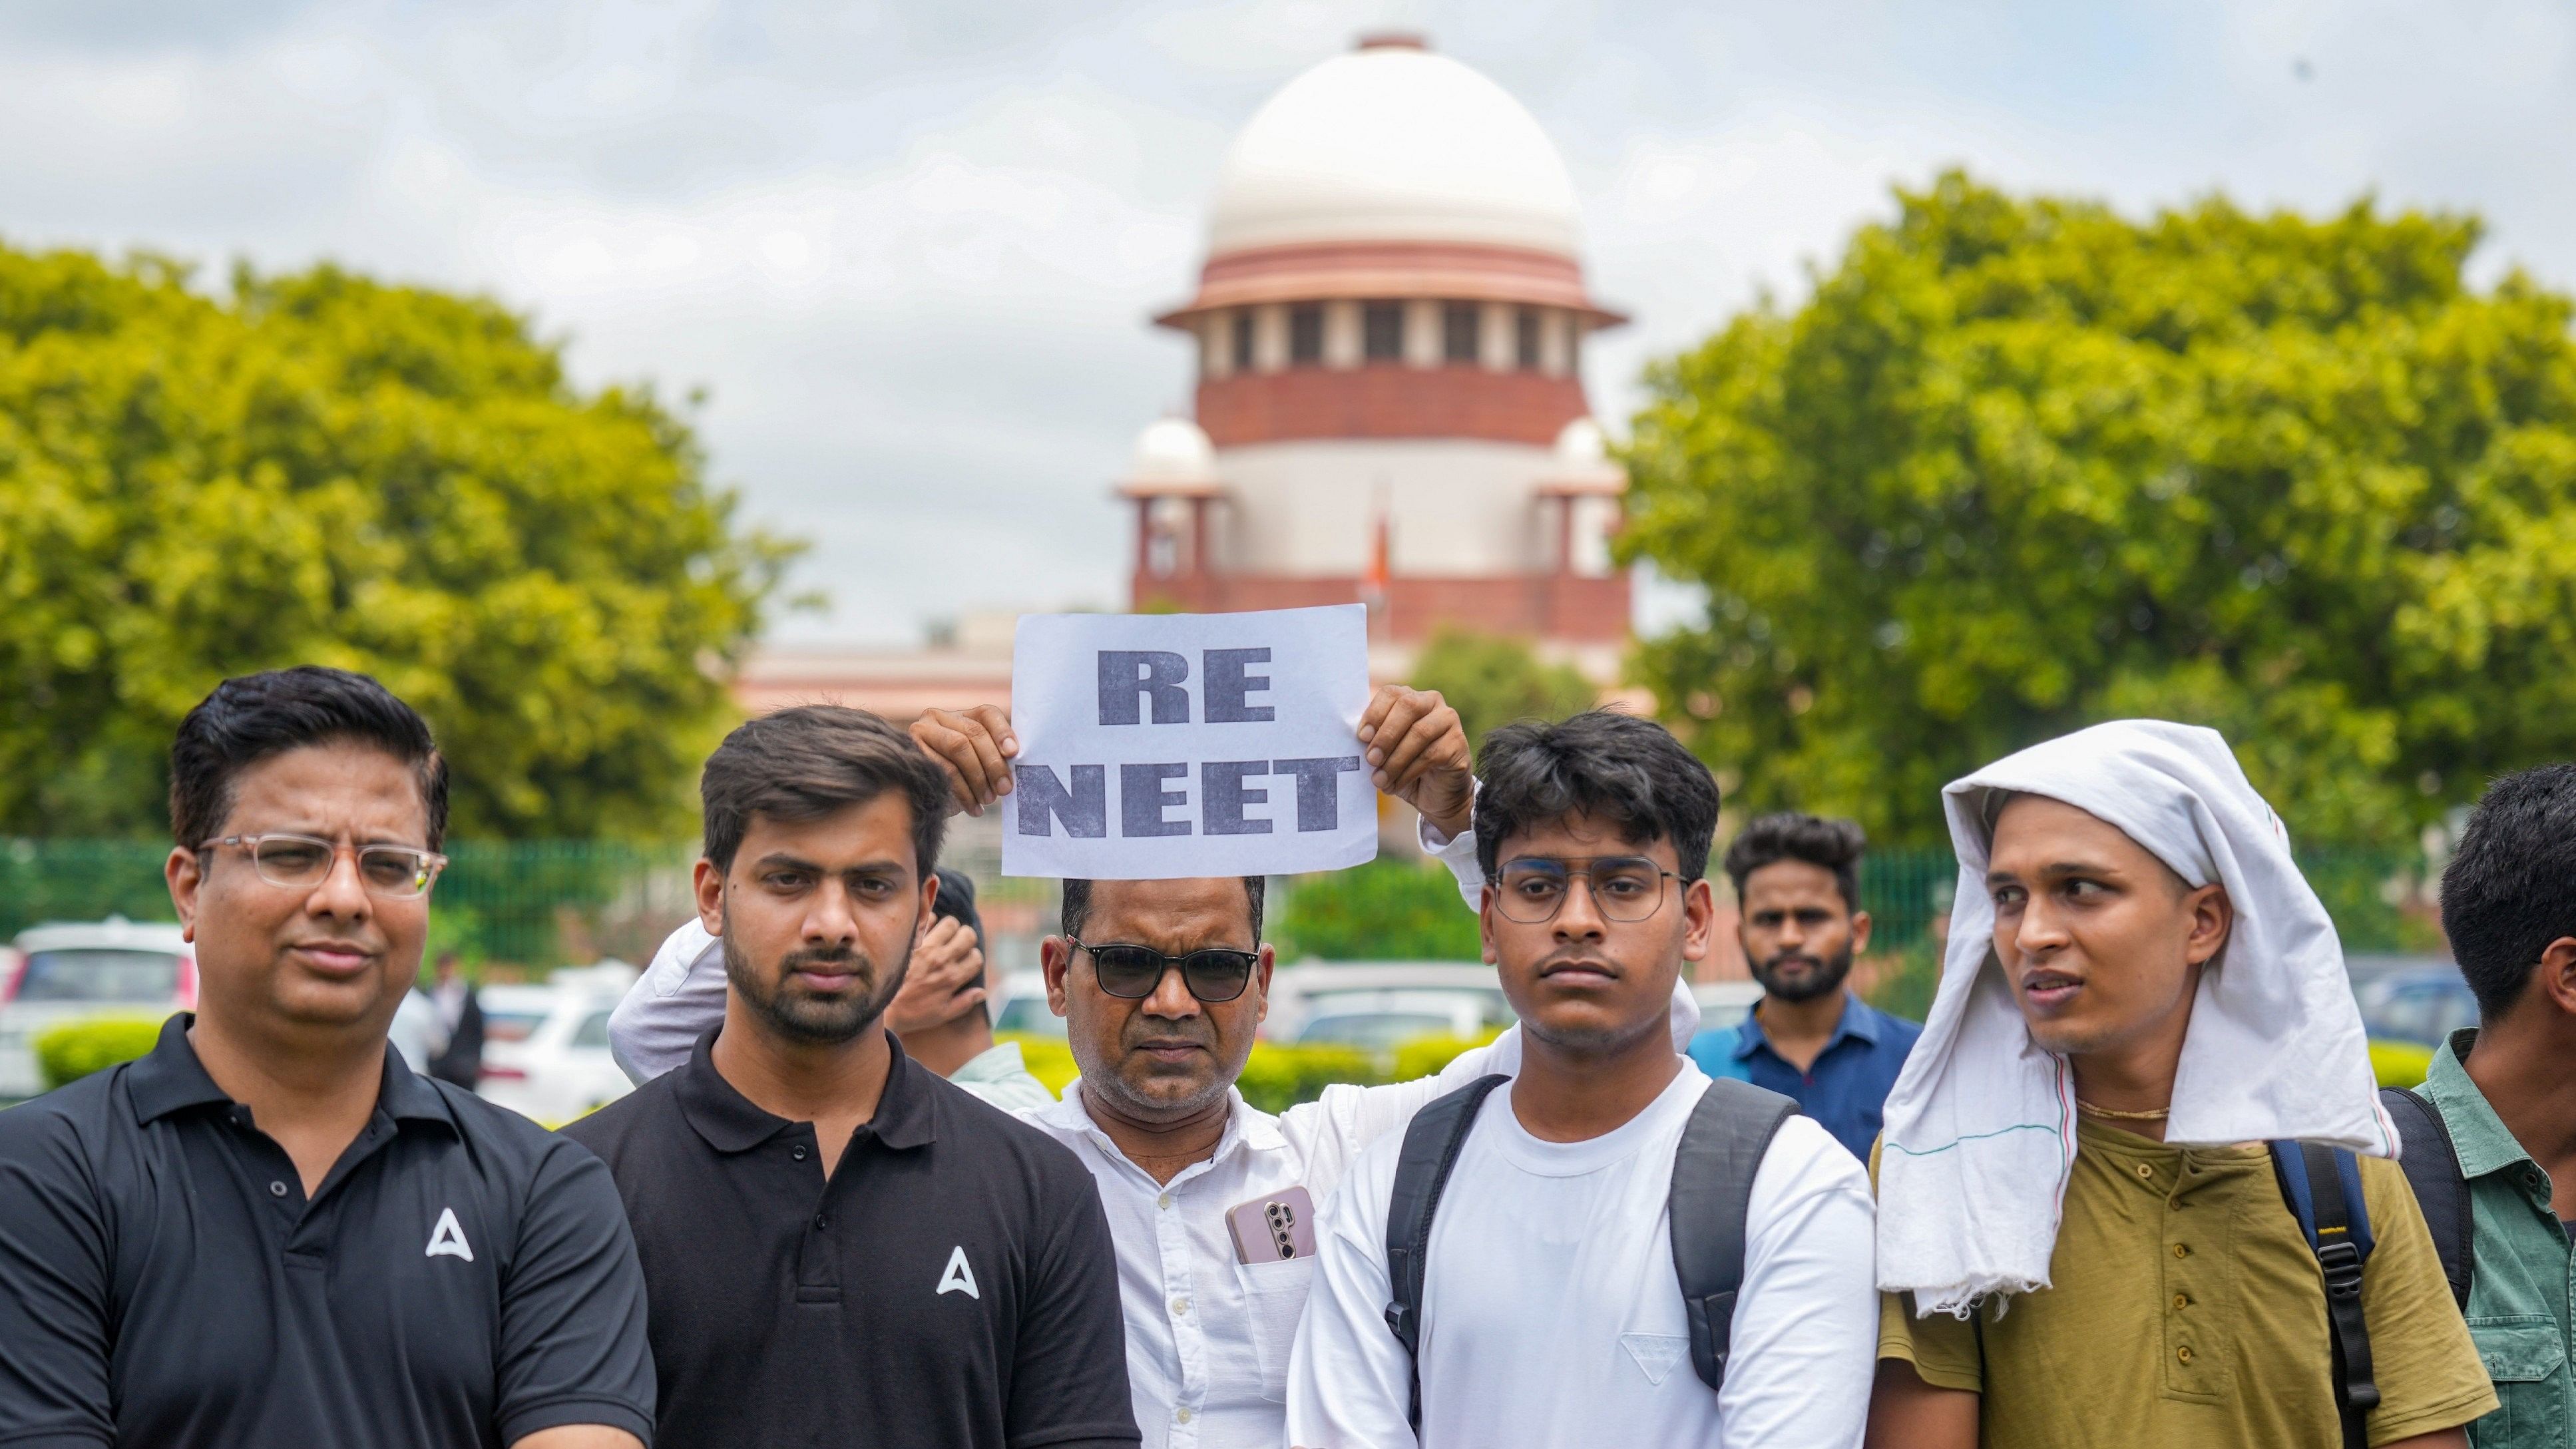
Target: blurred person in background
(460,1017)
(270,1231)
(2495,1168)
(1163,986)
(943,1014)
(1797,887)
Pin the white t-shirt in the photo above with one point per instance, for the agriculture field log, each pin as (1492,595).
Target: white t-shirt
(1552,1315)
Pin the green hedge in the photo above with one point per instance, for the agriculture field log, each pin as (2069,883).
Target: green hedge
(77,1048)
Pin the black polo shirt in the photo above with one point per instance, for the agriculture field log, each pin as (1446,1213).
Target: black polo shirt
(951,1284)
(463,1277)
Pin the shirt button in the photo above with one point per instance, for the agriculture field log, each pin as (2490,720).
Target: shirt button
(1165,1202)
(2181,1251)
(1181,1415)
(277,1189)
(796,1152)
(2183,1353)
(2145,1172)
(1180,1305)
(2181,1302)
(821,1222)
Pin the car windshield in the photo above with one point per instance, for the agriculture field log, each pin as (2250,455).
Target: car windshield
(593,1031)
(1029,1015)
(1375,1028)
(510,1025)
(102,975)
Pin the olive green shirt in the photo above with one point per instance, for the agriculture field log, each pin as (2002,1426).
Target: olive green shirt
(2185,1311)
(2522,1292)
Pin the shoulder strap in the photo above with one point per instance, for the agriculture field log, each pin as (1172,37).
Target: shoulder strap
(2322,1186)
(1730,1128)
(2432,1166)
(1431,1143)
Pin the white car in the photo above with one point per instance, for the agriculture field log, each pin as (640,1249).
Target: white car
(1020,1005)
(545,1051)
(1409,998)
(66,973)
(1725,1003)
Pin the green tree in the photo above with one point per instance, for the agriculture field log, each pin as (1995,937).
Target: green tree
(2024,464)
(318,468)
(1493,681)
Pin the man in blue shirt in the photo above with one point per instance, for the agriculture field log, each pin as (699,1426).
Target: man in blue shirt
(1797,881)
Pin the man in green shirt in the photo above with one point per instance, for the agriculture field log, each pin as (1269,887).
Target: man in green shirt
(2081,1239)
(2506,1092)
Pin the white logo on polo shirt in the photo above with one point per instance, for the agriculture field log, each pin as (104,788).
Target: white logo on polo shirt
(448,1238)
(959,1278)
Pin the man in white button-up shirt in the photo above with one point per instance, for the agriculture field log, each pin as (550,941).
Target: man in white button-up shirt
(1156,1117)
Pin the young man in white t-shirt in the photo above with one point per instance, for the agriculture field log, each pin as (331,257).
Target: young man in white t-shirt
(1551,1312)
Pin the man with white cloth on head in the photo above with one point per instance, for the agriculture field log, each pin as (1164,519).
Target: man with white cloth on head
(2081,1239)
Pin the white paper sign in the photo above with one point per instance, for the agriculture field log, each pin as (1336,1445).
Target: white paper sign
(1162,745)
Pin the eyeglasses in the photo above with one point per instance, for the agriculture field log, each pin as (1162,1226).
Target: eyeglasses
(1131,973)
(300,862)
(1625,888)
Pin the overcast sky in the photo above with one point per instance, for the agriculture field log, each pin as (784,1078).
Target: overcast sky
(909,249)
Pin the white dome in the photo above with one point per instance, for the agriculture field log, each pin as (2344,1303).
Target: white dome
(1393,143)
(1174,450)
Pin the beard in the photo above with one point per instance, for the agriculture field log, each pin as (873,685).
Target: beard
(1827,973)
(801,1015)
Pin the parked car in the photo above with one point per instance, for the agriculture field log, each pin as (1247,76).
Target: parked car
(1377,1004)
(65,973)
(545,1051)
(1020,1005)
(1724,1003)
(2423,1005)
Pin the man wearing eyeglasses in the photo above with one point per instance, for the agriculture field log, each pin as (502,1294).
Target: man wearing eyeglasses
(1163,985)
(269,1231)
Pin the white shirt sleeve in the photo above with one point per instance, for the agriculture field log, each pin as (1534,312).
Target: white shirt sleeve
(1459,854)
(1805,1340)
(670,1006)
(1350,1385)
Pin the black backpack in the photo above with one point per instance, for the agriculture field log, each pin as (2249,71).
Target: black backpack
(1730,1128)
(2322,1185)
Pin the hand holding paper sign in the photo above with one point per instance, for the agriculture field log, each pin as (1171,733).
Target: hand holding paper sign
(1417,752)
(973,746)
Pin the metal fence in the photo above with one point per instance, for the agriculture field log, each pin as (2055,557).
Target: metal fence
(533,905)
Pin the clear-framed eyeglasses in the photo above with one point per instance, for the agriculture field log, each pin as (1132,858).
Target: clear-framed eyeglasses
(301,862)
(1625,888)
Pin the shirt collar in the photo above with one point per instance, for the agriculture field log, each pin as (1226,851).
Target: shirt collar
(171,1078)
(2477,1134)
(1859,1019)
(731,1122)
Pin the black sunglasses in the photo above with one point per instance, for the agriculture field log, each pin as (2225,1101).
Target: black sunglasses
(1131,973)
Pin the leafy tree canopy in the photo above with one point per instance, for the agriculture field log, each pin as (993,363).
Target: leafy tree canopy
(1492,681)
(320,468)
(2024,464)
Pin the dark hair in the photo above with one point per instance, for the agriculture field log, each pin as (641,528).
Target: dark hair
(252,717)
(1077,905)
(2510,888)
(956,900)
(1835,845)
(806,762)
(1627,771)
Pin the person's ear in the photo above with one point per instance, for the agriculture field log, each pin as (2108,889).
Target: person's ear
(2556,977)
(1859,933)
(928,915)
(2212,916)
(1261,970)
(1699,916)
(1055,957)
(1485,924)
(185,874)
(709,883)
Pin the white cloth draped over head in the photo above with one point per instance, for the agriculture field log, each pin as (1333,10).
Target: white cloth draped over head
(1980,1129)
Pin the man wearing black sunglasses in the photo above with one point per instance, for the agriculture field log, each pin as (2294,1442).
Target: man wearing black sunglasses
(1163,985)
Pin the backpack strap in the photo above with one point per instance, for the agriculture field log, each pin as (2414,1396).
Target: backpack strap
(1712,1192)
(1431,1143)
(2322,1186)
(2432,1166)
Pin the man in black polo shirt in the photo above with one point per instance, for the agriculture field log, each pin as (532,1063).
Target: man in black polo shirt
(269,1232)
(843,1248)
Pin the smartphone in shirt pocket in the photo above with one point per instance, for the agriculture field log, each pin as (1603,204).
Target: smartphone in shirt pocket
(1274,1249)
